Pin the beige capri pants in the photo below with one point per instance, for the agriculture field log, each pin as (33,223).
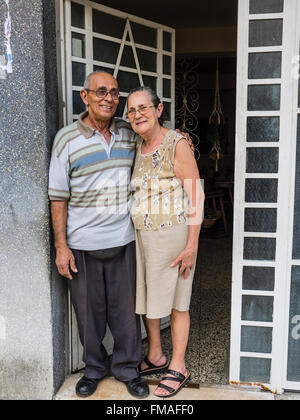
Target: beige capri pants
(159,286)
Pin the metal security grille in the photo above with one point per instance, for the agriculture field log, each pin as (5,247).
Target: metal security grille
(265,152)
(135,51)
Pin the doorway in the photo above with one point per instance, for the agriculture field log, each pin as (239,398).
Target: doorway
(264,273)
(138,51)
(208,349)
(206,105)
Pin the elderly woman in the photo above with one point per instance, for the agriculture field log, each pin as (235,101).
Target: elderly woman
(167,213)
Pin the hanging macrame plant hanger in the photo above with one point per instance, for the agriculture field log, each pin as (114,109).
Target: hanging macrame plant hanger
(217,118)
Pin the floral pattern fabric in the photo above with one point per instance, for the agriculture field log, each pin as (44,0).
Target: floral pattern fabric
(159,199)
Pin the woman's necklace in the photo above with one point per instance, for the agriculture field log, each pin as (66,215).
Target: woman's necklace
(152,145)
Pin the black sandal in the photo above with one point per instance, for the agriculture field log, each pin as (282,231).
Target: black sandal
(184,380)
(152,368)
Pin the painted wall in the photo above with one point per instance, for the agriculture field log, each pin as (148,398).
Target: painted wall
(31,301)
(206,40)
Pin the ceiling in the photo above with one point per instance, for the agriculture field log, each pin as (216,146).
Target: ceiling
(180,14)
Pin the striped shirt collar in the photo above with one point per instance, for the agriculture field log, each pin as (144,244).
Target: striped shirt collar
(88,131)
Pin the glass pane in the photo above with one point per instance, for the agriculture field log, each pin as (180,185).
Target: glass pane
(265,33)
(147,60)
(296,233)
(77,15)
(150,82)
(258,278)
(167,69)
(261,190)
(78,104)
(78,45)
(127,81)
(265,65)
(264,97)
(105,51)
(260,220)
(128,58)
(106,24)
(257,308)
(105,69)
(144,35)
(167,110)
(167,88)
(78,74)
(256,339)
(121,107)
(253,369)
(167,41)
(262,160)
(263,129)
(293,369)
(261,249)
(266,6)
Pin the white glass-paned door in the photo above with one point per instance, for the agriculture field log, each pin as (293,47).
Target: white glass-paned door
(268,41)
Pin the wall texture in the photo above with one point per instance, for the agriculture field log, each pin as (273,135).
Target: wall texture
(32,300)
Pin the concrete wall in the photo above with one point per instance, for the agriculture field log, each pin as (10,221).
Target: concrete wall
(32,300)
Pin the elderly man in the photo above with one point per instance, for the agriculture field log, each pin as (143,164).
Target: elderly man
(94,239)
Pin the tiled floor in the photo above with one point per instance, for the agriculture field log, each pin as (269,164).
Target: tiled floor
(111,390)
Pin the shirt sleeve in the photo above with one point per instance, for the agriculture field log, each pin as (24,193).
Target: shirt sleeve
(59,181)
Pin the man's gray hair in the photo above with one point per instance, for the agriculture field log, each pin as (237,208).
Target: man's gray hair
(87,81)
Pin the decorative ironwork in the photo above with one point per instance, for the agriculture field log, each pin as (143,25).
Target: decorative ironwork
(187,100)
(216,120)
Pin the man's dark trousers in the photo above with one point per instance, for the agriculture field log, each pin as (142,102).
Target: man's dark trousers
(103,292)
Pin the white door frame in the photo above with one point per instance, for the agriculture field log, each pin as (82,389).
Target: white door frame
(286,179)
(294,68)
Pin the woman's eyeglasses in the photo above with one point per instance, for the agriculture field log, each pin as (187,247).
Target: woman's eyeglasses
(141,110)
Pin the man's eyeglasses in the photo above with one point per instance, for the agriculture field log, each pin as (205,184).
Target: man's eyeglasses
(103,92)
(141,109)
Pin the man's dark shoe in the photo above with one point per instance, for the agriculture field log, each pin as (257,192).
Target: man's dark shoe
(137,387)
(86,386)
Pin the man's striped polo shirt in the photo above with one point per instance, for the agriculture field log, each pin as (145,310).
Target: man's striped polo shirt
(94,177)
